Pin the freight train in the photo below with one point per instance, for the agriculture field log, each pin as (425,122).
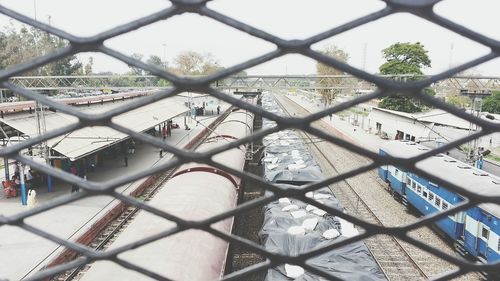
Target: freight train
(195,193)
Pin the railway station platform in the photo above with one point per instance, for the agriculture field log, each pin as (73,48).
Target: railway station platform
(343,128)
(22,253)
(372,141)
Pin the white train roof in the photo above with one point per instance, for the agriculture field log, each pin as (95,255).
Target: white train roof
(451,170)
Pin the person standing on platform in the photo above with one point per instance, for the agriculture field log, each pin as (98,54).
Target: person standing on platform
(131,148)
(16,169)
(74,171)
(193,113)
(29,178)
(169,128)
(82,170)
(480,162)
(17,182)
(31,202)
(165,131)
(218,109)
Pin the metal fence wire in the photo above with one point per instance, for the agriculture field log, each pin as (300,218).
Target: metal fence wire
(422,9)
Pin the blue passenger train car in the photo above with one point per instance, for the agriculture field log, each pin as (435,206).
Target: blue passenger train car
(482,229)
(382,170)
(477,230)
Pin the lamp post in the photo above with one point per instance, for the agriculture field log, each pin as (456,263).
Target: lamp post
(164,60)
(164,55)
(34,7)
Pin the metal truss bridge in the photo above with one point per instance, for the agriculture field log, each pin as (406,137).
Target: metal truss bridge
(347,83)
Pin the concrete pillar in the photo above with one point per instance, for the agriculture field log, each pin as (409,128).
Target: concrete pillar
(48,154)
(6,167)
(6,163)
(49,183)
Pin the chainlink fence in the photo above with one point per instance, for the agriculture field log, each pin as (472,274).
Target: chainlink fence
(422,9)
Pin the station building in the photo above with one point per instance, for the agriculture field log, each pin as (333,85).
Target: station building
(432,126)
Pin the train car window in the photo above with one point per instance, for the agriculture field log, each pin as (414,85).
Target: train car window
(444,206)
(438,202)
(485,233)
(413,185)
(498,245)
(408,181)
(431,196)
(424,193)
(397,172)
(419,189)
(433,184)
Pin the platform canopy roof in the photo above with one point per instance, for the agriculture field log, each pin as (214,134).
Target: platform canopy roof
(88,140)
(440,117)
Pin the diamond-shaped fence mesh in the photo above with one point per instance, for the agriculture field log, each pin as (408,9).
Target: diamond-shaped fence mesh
(422,9)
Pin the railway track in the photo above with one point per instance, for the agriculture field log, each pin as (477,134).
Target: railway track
(369,186)
(394,259)
(109,234)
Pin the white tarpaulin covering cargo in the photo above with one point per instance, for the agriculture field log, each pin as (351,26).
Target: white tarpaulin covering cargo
(87,140)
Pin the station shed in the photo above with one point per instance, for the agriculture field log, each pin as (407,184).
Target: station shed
(201,100)
(30,106)
(434,125)
(82,147)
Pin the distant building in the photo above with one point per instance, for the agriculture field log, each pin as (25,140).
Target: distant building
(475,93)
(434,126)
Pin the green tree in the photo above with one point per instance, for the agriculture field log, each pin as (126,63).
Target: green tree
(210,65)
(459,101)
(491,104)
(3,54)
(404,58)
(21,45)
(323,69)
(136,70)
(188,63)
(88,66)
(193,63)
(156,61)
(66,66)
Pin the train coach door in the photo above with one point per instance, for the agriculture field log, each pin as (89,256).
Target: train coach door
(460,220)
(405,183)
(483,236)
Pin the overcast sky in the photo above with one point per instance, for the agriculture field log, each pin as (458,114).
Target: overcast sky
(289,19)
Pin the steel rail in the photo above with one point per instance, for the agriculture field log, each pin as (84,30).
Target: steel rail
(149,192)
(112,229)
(117,225)
(372,215)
